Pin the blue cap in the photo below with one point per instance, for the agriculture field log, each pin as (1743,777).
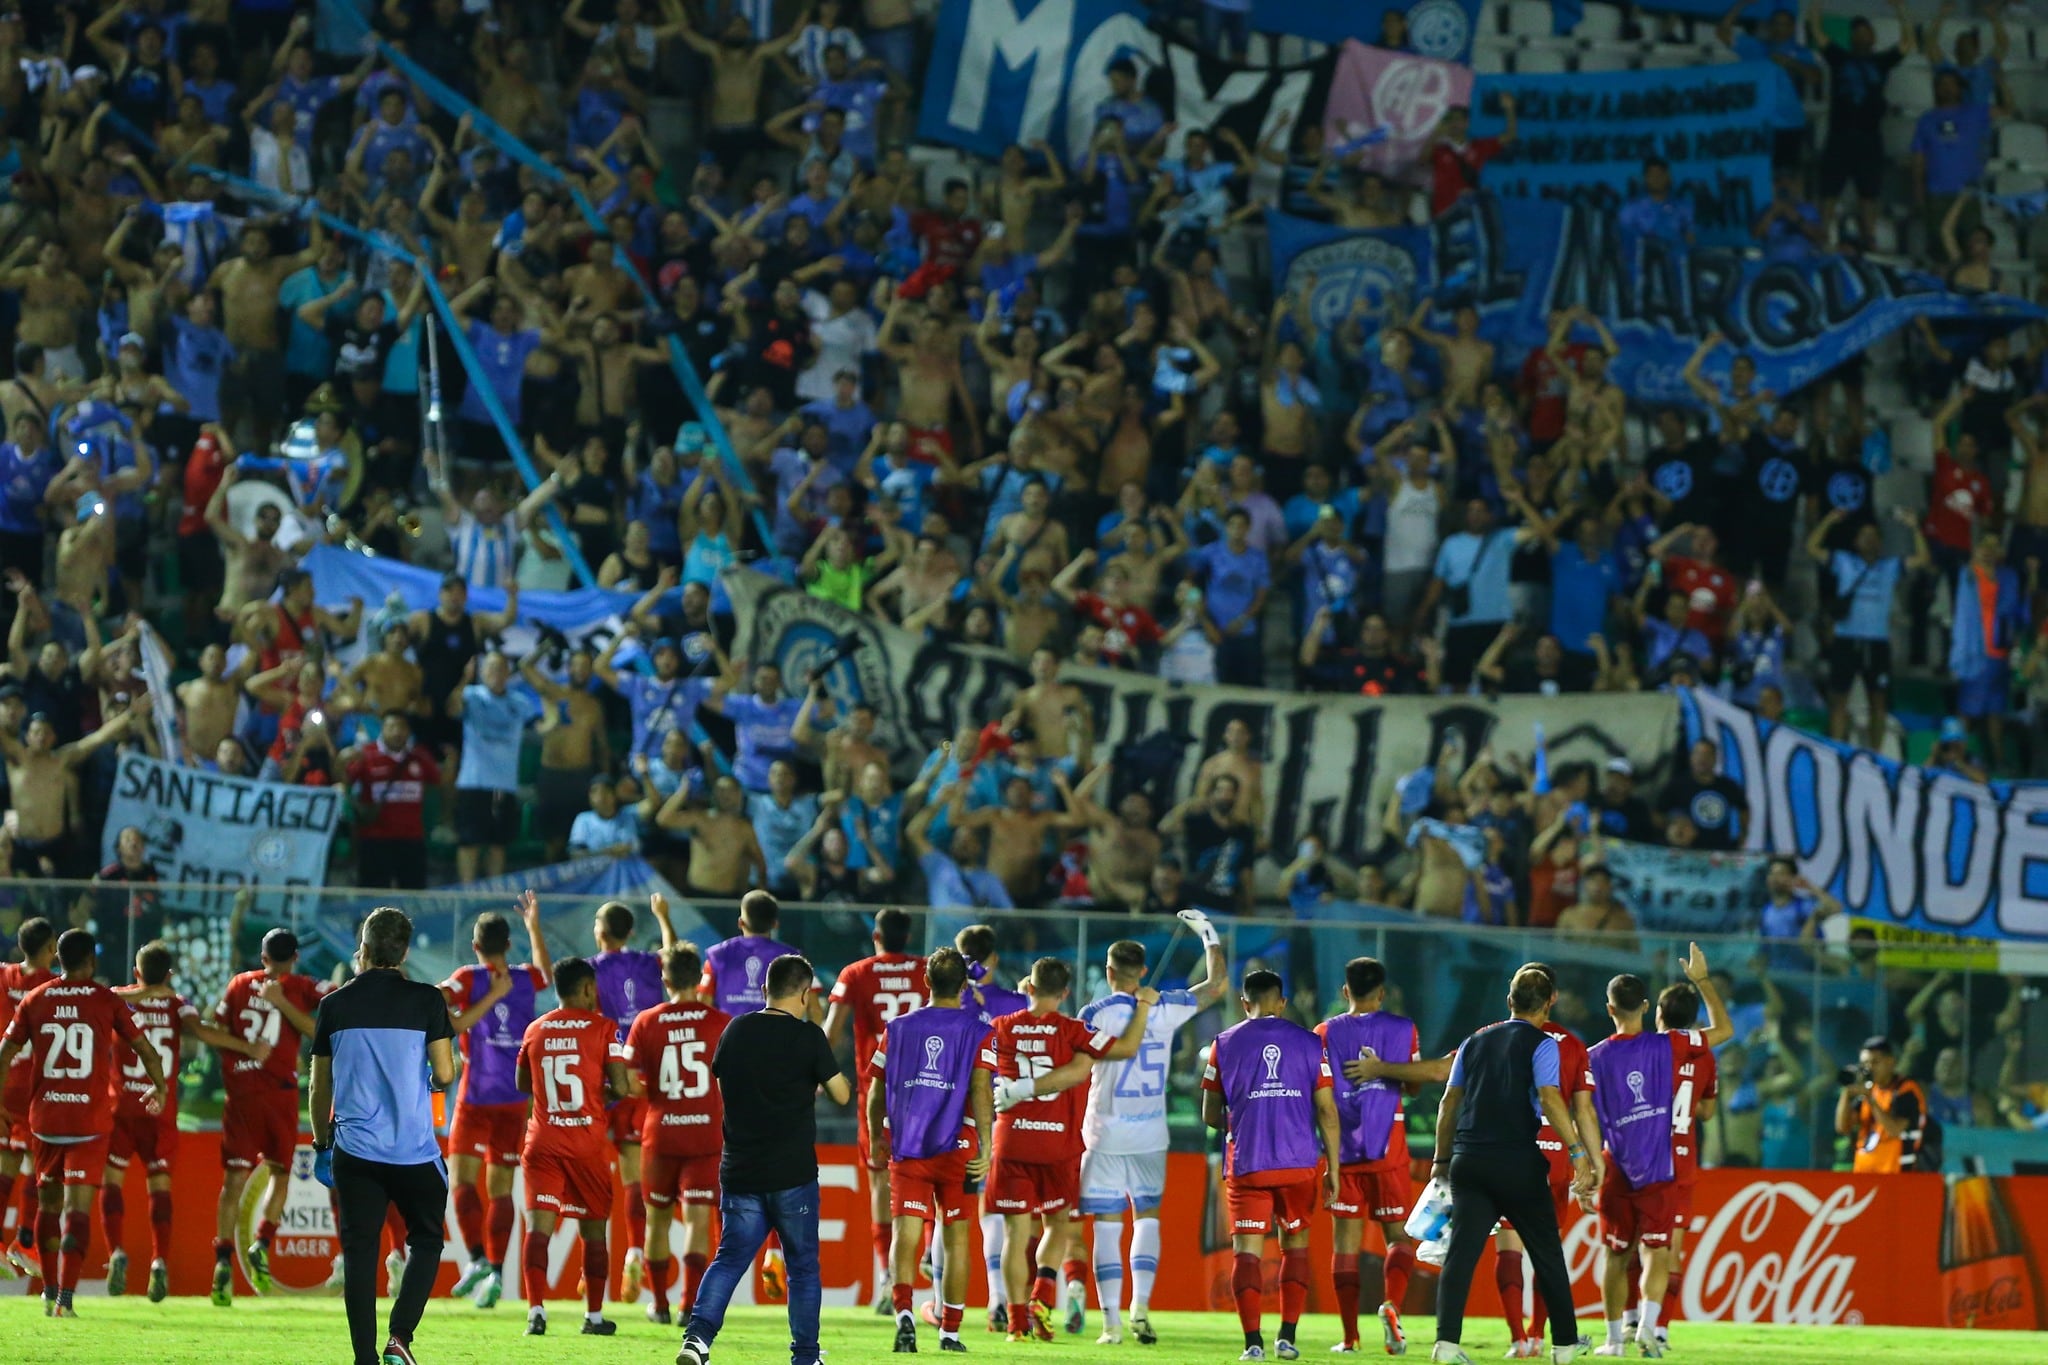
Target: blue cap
(691,438)
(90,505)
(1953,731)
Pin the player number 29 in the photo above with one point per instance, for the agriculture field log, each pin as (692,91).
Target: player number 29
(564,1087)
(68,1040)
(683,1073)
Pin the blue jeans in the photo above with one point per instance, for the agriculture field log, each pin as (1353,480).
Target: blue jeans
(746,1220)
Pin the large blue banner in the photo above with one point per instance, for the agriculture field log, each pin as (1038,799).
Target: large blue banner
(1714,125)
(1797,320)
(339,575)
(1920,848)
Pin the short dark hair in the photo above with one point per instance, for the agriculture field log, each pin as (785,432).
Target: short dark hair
(1876,1042)
(153,962)
(1364,975)
(1050,976)
(617,919)
(892,927)
(759,910)
(75,948)
(975,942)
(34,936)
(1678,1006)
(1628,993)
(789,974)
(1127,955)
(945,971)
(1531,989)
(1261,984)
(387,935)
(493,933)
(682,966)
(1656,163)
(1782,860)
(571,975)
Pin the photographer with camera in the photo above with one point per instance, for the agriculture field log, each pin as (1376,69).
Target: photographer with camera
(1885,1112)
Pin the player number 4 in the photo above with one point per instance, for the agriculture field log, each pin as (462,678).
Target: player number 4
(1681,1110)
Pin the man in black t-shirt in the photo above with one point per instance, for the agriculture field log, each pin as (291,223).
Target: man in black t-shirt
(1167,893)
(1716,805)
(769,1066)
(1623,814)
(1679,471)
(1370,668)
(1219,846)
(1762,523)
(1854,154)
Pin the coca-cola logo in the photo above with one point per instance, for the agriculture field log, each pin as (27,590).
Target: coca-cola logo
(1732,1277)
(1967,1307)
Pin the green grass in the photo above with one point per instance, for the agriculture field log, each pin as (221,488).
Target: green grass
(306,1332)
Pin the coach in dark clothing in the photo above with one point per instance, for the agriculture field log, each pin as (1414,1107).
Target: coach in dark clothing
(381,1046)
(770,1065)
(1504,1077)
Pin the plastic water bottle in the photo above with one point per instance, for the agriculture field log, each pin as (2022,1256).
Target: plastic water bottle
(1430,1220)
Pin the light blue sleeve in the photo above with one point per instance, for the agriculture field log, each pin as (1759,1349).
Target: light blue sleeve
(1458,1066)
(1547,1061)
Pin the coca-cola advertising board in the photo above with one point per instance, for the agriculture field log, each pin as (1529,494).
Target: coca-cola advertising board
(1804,1247)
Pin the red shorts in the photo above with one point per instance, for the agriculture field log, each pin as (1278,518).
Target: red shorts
(71,1163)
(1379,1191)
(17,1095)
(570,1186)
(259,1126)
(151,1139)
(1264,1199)
(666,1180)
(1630,1216)
(1016,1187)
(493,1132)
(623,1121)
(929,1188)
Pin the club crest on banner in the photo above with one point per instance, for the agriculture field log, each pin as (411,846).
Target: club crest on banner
(1440,29)
(1371,271)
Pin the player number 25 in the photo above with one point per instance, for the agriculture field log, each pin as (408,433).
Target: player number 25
(68,1040)
(1143,1077)
(683,1073)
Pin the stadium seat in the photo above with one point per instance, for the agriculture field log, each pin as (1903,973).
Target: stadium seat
(1600,22)
(1886,27)
(2024,145)
(1912,443)
(1910,87)
(1607,56)
(1542,59)
(2008,180)
(1898,137)
(1663,57)
(1489,60)
(1528,18)
(2028,86)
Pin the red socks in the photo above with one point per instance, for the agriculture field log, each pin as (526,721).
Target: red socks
(113,1213)
(1074,1271)
(597,1265)
(160,1224)
(1045,1288)
(534,1268)
(469,1219)
(1507,1274)
(501,1229)
(900,1297)
(1671,1294)
(1400,1265)
(49,1227)
(1246,1278)
(1293,1285)
(885,1238)
(266,1233)
(1344,1275)
(1020,1320)
(949,1317)
(660,1274)
(636,1215)
(693,1276)
(71,1251)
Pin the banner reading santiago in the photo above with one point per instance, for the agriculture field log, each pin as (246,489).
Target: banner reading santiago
(1903,845)
(1520,260)
(224,832)
(1330,761)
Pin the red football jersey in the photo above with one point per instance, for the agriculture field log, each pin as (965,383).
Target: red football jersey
(1694,1078)
(396,784)
(564,1055)
(161,1018)
(17,979)
(1046,1129)
(246,1014)
(68,1028)
(875,990)
(1574,1075)
(671,1047)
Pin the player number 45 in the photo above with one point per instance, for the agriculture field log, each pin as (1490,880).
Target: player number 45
(683,1073)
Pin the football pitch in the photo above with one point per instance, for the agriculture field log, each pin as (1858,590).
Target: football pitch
(313,1332)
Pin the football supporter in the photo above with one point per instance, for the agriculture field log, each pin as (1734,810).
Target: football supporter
(165,1019)
(883,986)
(930,1108)
(670,1048)
(1123,1169)
(389,779)
(1643,1087)
(492,1001)
(629,981)
(570,1061)
(1035,1175)
(37,941)
(260,1122)
(1374,1135)
(68,1027)
(1268,1087)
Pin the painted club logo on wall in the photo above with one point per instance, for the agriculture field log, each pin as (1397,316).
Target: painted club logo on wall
(1439,28)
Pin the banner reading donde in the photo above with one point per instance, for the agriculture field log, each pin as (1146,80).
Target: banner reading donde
(1329,761)
(1903,845)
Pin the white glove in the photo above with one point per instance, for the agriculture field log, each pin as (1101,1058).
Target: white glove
(1199,923)
(1010,1094)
